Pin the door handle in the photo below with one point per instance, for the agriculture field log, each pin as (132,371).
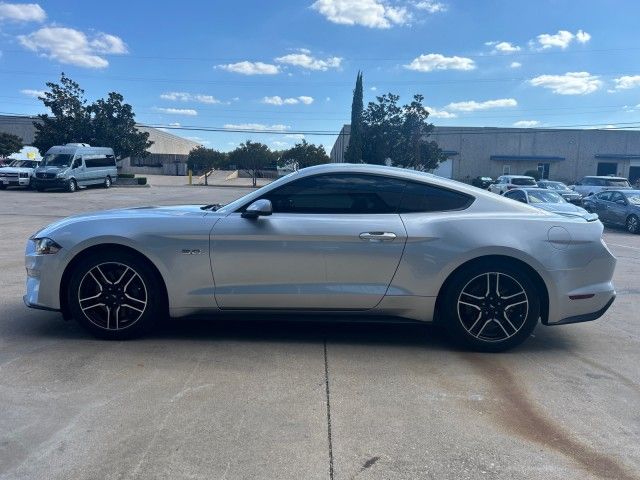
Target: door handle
(378,236)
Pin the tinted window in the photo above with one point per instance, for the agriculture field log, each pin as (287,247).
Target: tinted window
(616,196)
(616,183)
(604,196)
(419,197)
(95,161)
(523,181)
(516,195)
(57,160)
(338,193)
(587,181)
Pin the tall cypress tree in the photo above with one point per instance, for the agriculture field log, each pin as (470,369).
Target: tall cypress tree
(354,149)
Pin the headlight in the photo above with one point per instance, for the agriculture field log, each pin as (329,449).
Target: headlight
(24,175)
(46,246)
(60,175)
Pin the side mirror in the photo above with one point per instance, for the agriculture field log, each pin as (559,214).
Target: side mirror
(258,208)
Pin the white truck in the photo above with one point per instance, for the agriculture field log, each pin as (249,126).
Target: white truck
(20,169)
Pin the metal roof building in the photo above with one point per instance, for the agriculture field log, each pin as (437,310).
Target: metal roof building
(559,154)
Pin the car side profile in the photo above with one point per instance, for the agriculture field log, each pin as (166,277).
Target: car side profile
(507,182)
(559,187)
(546,200)
(617,207)
(593,184)
(333,239)
(75,165)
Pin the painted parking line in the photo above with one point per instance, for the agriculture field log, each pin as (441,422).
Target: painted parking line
(623,246)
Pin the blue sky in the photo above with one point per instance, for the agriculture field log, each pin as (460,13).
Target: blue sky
(291,65)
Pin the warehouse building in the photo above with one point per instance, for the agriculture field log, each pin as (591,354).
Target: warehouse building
(559,154)
(168,154)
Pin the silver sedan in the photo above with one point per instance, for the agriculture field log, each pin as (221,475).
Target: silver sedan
(356,239)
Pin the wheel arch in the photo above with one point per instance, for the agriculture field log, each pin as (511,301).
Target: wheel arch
(86,252)
(491,260)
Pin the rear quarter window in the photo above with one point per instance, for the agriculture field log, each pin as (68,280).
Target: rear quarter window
(419,197)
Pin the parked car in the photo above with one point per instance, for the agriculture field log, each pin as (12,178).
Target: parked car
(361,240)
(482,182)
(547,200)
(76,165)
(18,173)
(616,207)
(594,184)
(559,187)
(507,182)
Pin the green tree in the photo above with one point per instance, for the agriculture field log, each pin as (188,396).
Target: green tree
(113,125)
(9,144)
(70,120)
(253,157)
(304,154)
(202,159)
(107,122)
(354,149)
(399,134)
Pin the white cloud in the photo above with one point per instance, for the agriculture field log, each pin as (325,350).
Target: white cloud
(32,93)
(436,61)
(435,113)
(431,6)
(278,100)
(256,126)
(472,105)
(515,65)
(177,111)
(251,68)
(526,123)
(303,59)
(571,83)
(503,47)
(627,81)
(562,39)
(73,47)
(368,13)
(189,97)
(22,12)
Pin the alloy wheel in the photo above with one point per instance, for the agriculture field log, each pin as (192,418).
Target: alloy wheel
(112,296)
(632,224)
(493,307)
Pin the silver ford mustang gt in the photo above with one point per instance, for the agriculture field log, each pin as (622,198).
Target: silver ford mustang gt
(337,239)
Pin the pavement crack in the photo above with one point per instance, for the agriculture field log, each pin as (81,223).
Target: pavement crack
(328,395)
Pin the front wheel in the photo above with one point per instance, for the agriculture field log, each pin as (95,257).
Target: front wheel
(115,295)
(490,307)
(107,182)
(633,224)
(72,186)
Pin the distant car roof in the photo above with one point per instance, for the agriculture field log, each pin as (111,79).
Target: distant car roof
(606,177)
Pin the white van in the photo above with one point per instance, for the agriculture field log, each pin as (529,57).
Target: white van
(20,169)
(76,165)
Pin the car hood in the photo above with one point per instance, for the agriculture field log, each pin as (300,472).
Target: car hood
(15,170)
(51,169)
(128,214)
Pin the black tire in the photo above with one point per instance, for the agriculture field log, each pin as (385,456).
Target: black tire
(632,224)
(121,309)
(477,327)
(107,182)
(72,186)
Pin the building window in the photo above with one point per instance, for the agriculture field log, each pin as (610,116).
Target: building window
(543,168)
(607,168)
(506,169)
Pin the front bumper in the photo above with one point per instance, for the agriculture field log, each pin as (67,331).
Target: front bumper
(49,182)
(14,182)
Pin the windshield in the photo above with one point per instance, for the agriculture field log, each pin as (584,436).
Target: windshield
(523,181)
(555,186)
(24,164)
(633,198)
(617,183)
(545,197)
(57,160)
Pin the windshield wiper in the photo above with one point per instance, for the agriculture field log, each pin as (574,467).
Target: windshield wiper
(213,207)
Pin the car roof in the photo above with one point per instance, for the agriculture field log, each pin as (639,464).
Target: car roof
(606,177)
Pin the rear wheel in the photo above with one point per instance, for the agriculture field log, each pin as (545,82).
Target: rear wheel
(115,295)
(633,224)
(490,307)
(72,186)
(107,182)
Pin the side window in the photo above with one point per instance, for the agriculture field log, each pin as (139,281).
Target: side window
(587,181)
(420,197)
(77,162)
(604,196)
(517,195)
(95,161)
(615,196)
(338,194)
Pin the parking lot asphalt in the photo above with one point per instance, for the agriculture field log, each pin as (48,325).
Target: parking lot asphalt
(267,399)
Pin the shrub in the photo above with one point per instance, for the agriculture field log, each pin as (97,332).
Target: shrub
(142,180)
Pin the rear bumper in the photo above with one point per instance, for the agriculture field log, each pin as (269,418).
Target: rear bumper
(586,317)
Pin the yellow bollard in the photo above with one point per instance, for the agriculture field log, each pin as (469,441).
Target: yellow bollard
(190,176)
